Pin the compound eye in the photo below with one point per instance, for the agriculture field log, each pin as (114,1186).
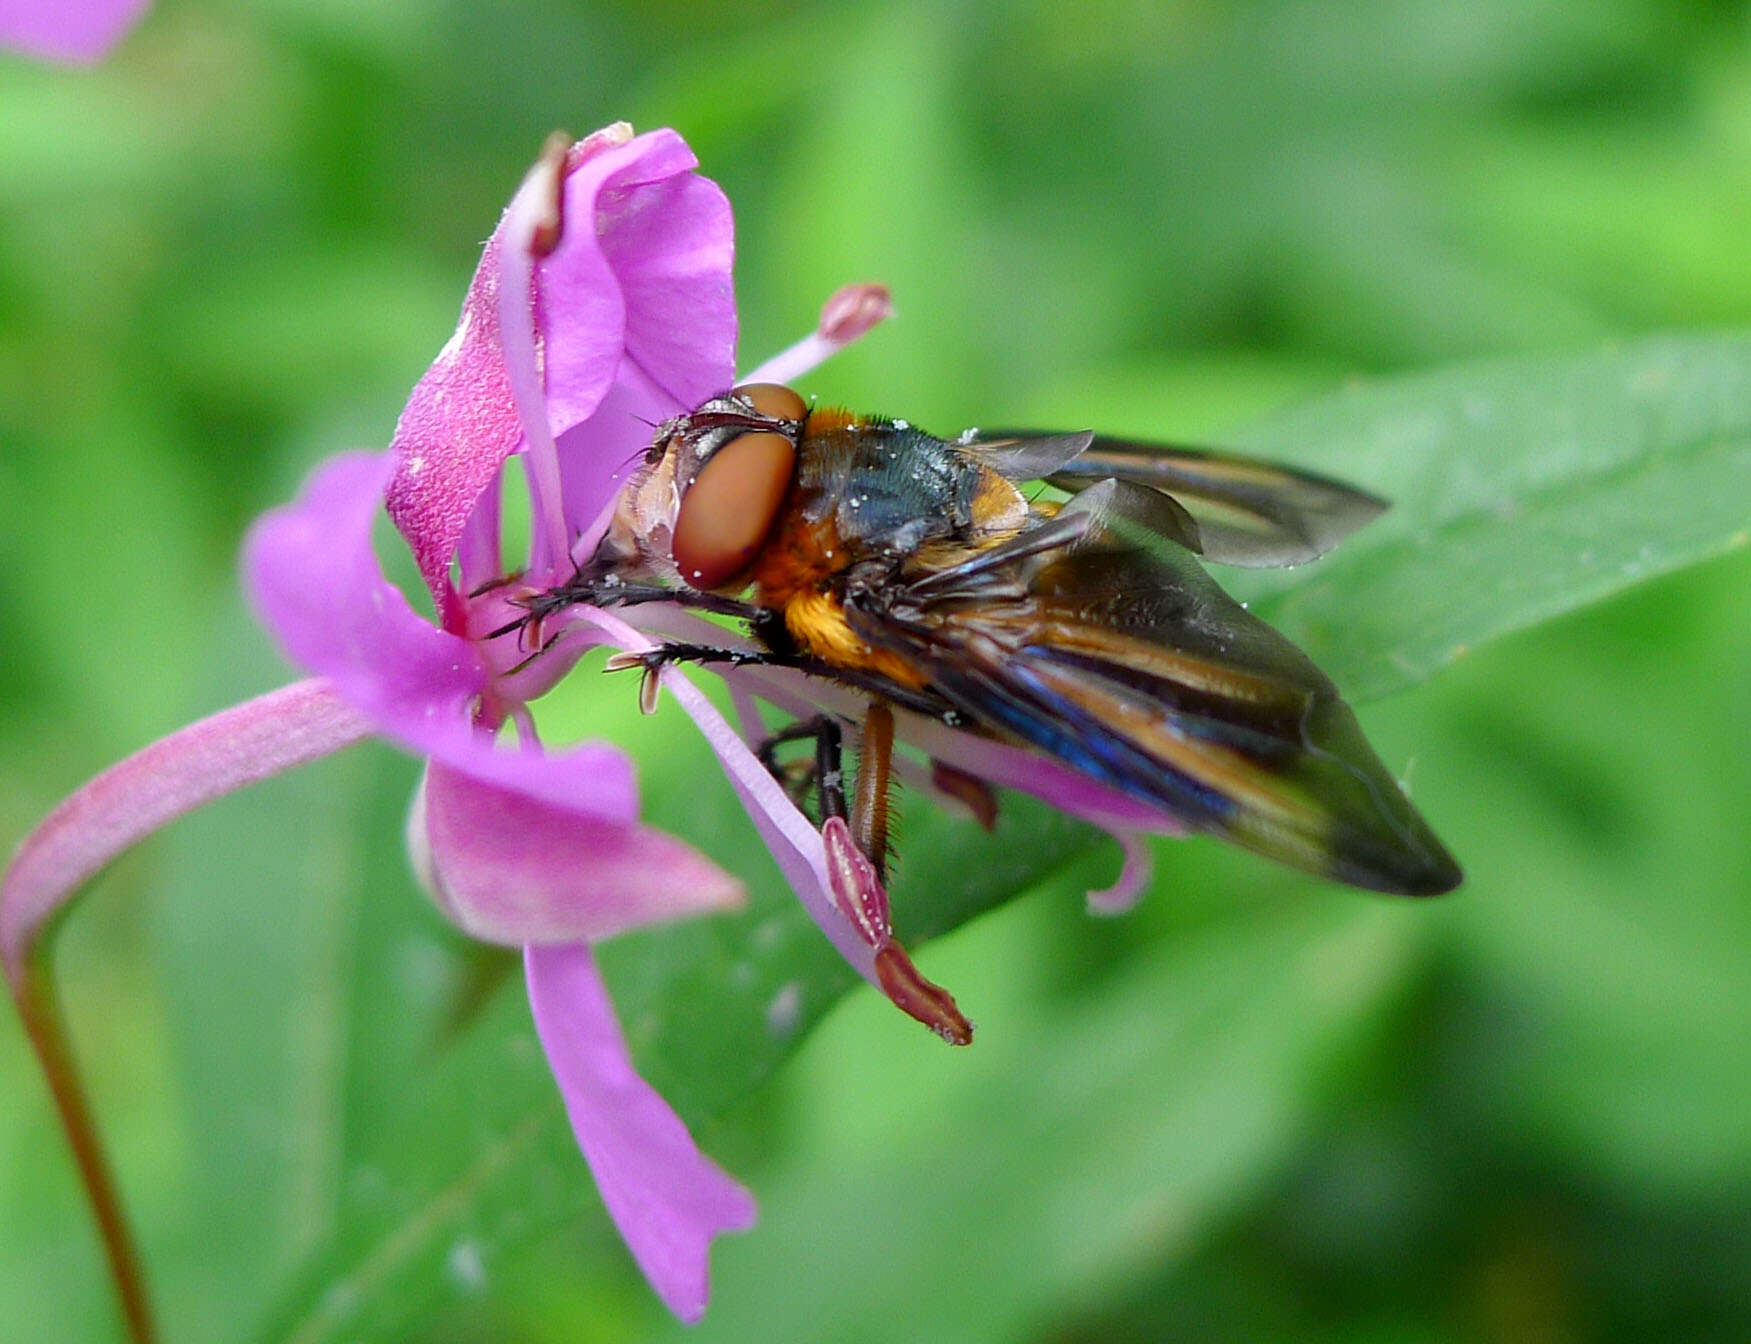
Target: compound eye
(731,506)
(775,401)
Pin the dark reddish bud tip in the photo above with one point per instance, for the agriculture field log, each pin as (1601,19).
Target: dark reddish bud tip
(854,310)
(971,792)
(549,225)
(917,997)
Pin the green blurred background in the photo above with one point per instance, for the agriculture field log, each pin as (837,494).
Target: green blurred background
(1261,1107)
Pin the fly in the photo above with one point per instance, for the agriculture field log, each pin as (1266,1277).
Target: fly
(914,572)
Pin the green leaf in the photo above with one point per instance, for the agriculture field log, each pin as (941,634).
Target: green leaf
(1115,1148)
(1608,921)
(1521,488)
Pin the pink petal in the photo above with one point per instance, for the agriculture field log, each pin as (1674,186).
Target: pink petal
(479,554)
(73,31)
(458,427)
(641,274)
(597,455)
(663,244)
(314,577)
(668,1200)
(591,780)
(1133,879)
(316,581)
(532,225)
(174,775)
(508,869)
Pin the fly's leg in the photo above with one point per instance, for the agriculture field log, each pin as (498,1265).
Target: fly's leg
(869,813)
(830,768)
(611,592)
(824,773)
(653,660)
(678,652)
(856,849)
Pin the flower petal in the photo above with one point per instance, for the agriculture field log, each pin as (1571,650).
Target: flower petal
(316,581)
(507,868)
(74,31)
(314,577)
(597,455)
(531,227)
(176,774)
(1133,879)
(458,427)
(641,275)
(662,245)
(667,1198)
(479,552)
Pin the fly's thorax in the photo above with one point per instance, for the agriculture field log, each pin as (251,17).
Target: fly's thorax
(881,495)
(891,488)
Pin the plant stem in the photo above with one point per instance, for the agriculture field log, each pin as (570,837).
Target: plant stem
(33,989)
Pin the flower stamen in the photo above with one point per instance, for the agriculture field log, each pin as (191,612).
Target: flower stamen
(850,313)
(858,894)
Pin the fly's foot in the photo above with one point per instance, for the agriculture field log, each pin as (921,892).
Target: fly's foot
(821,773)
(655,659)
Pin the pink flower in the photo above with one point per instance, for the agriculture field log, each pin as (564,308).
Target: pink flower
(573,340)
(76,32)
(602,305)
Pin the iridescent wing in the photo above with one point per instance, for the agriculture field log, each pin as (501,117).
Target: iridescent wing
(1098,639)
(1249,512)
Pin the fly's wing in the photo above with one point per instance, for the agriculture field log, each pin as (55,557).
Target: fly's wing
(1115,652)
(1250,512)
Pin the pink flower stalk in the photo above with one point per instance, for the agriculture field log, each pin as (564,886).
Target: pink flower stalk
(72,32)
(602,305)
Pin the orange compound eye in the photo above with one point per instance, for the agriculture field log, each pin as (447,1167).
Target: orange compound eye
(731,506)
(775,401)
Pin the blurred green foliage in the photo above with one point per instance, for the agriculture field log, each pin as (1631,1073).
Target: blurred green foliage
(1259,1108)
